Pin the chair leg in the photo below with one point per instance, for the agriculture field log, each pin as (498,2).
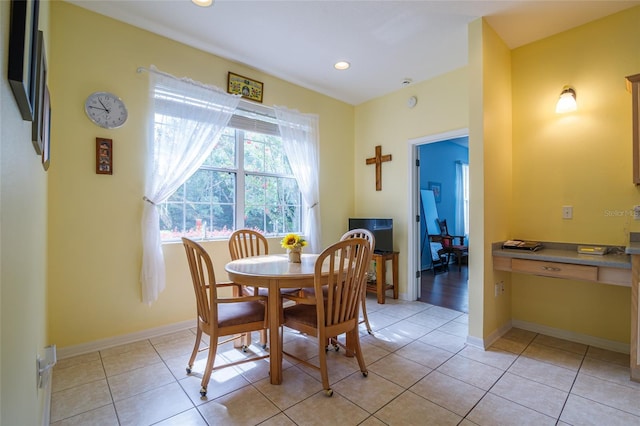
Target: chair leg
(211,357)
(364,313)
(263,339)
(194,353)
(322,356)
(355,338)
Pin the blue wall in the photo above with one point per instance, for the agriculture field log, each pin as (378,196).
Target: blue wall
(438,164)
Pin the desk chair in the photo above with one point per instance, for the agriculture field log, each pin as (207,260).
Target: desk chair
(449,247)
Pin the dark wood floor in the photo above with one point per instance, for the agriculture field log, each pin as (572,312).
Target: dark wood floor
(447,289)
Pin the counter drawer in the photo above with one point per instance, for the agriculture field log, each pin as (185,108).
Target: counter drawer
(554,269)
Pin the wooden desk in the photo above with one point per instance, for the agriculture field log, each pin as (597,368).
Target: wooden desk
(273,272)
(380,286)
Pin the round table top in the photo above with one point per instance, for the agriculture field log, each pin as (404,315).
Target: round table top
(273,266)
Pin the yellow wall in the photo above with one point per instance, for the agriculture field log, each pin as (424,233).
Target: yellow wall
(582,159)
(387,121)
(94,220)
(23,260)
(489,176)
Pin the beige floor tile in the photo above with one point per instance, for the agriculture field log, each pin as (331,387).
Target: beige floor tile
(508,345)
(446,341)
(408,330)
(455,328)
(378,320)
(245,406)
(520,335)
(222,382)
(472,372)
(607,393)
(389,339)
(410,409)
(176,336)
(372,421)
(75,360)
(371,352)
(153,406)
(278,420)
(581,411)
(608,356)
(448,314)
(190,417)
(76,375)
(370,393)
(103,416)
(565,345)
(493,357)
(542,372)
(139,380)
(424,354)
(320,409)
(493,410)
(541,398)
(296,386)
(447,392)
(554,356)
(79,399)
(608,371)
(127,361)
(399,370)
(129,347)
(403,309)
(180,345)
(428,320)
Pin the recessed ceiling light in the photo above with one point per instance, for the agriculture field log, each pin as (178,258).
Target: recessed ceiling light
(342,65)
(202,3)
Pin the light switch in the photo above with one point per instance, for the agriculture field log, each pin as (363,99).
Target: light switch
(567,212)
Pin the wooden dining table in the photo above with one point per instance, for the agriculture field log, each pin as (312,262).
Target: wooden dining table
(273,272)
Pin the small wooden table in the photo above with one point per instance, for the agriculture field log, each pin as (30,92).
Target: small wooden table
(380,286)
(273,272)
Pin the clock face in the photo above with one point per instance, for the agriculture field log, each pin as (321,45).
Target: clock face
(106,110)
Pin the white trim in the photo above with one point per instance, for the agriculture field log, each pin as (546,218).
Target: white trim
(490,339)
(573,337)
(413,243)
(101,344)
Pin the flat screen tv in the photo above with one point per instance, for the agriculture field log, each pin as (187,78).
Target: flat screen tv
(382,230)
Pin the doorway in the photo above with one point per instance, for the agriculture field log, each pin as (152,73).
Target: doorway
(438,160)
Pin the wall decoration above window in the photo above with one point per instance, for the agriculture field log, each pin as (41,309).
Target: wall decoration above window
(249,89)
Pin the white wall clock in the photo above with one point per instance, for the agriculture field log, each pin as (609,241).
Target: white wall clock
(106,110)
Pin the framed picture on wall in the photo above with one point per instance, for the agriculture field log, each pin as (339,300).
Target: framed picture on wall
(104,156)
(436,188)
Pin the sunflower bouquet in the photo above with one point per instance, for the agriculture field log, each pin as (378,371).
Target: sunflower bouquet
(293,242)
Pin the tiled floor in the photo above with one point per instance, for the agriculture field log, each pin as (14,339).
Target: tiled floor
(420,373)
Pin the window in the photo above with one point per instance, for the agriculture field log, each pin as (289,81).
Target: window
(245,182)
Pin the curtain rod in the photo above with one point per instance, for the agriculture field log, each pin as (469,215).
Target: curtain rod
(154,70)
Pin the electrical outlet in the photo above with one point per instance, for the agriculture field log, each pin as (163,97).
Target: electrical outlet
(567,212)
(501,287)
(636,212)
(497,289)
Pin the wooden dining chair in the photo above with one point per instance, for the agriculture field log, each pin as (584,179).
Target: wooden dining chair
(341,268)
(245,243)
(367,235)
(219,317)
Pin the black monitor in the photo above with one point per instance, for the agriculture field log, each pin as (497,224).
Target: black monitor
(382,230)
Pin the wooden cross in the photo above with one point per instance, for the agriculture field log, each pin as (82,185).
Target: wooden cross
(378,160)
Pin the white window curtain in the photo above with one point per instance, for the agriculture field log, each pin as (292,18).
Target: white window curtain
(186,121)
(299,133)
(462,199)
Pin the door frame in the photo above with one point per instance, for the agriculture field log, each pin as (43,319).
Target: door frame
(413,239)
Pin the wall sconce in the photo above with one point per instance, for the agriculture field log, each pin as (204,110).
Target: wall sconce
(567,101)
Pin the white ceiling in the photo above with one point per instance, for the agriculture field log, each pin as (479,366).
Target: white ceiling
(385,41)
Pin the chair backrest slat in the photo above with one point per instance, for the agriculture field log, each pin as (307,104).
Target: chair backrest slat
(204,281)
(342,268)
(247,243)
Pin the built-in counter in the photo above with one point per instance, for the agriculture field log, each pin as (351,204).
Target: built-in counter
(620,266)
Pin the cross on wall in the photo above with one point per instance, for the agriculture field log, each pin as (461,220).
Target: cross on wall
(378,160)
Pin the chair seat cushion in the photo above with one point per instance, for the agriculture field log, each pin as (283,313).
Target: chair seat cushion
(240,313)
(305,314)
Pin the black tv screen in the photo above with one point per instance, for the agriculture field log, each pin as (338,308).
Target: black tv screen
(382,230)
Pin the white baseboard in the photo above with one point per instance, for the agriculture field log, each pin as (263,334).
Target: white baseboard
(83,348)
(490,339)
(573,337)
